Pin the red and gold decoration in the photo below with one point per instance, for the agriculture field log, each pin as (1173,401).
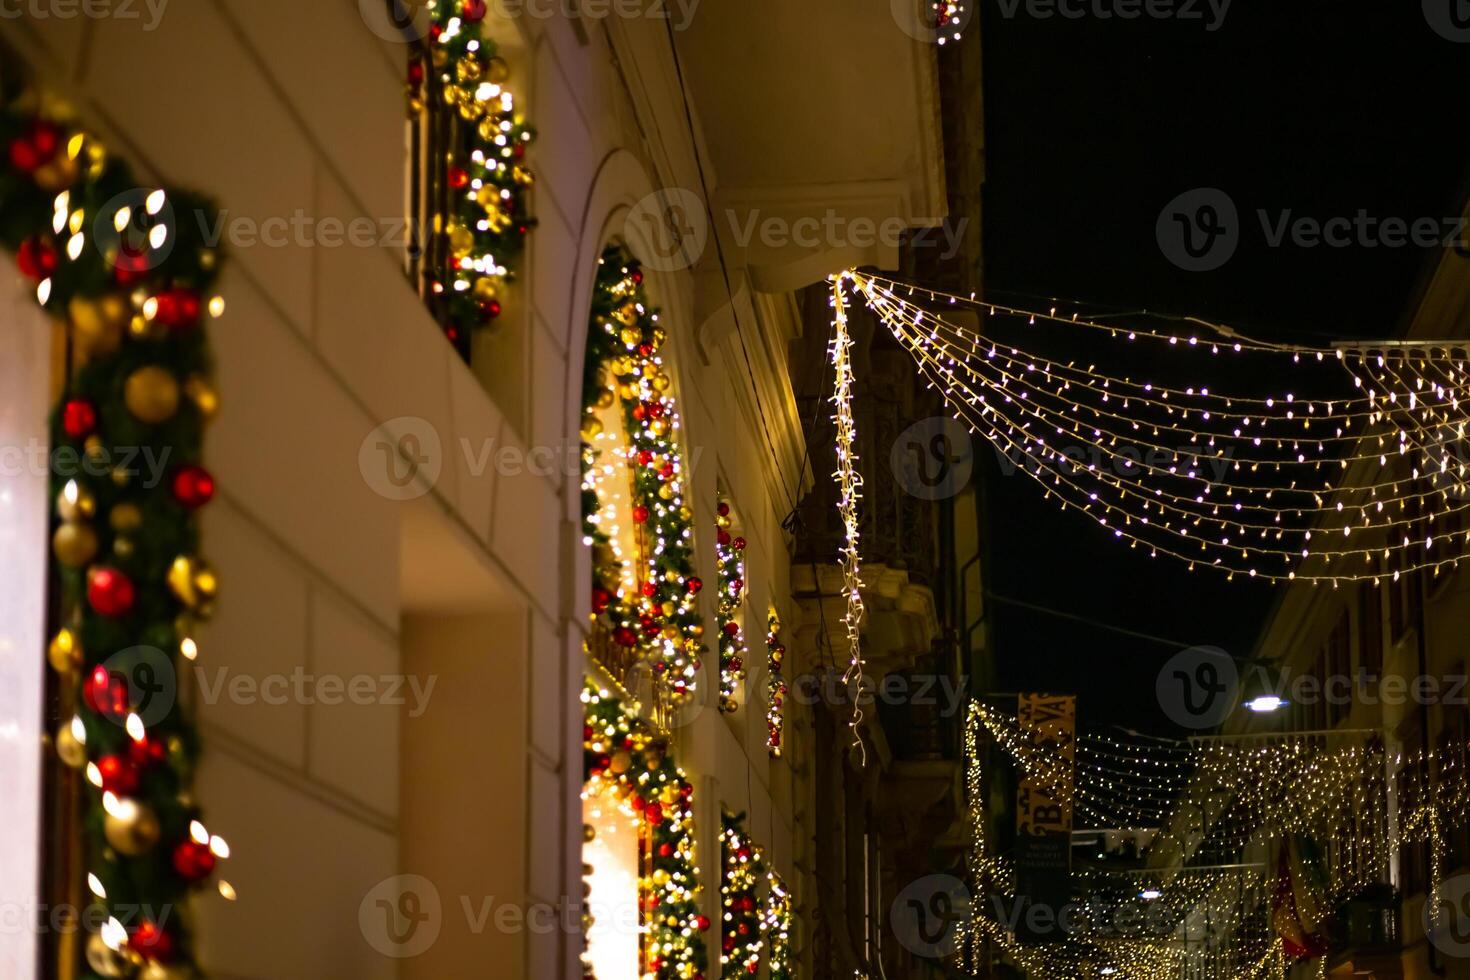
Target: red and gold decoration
(644,587)
(776,924)
(730,565)
(129,287)
(776,689)
(623,757)
(743,873)
(479,237)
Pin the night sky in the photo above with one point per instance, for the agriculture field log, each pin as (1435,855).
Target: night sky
(1323,108)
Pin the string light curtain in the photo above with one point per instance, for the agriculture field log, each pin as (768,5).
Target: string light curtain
(1367,481)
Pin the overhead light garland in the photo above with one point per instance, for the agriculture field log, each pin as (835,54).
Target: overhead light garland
(647,600)
(476,244)
(742,938)
(132,288)
(730,566)
(776,689)
(622,756)
(1279,488)
(849,485)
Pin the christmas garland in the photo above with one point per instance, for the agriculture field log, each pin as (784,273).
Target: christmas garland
(485,232)
(658,615)
(130,284)
(622,755)
(743,871)
(775,686)
(730,561)
(776,922)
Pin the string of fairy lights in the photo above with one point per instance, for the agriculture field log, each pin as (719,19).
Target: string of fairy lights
(1365,484)
(850,484)
(730,564)
(1210,813)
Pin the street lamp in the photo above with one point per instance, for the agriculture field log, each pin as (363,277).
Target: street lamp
(1266,703)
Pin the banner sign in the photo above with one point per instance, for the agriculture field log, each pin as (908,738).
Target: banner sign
(1048,724)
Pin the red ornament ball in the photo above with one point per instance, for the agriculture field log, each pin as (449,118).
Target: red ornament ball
(738,544)
(600,599)
(459,178)
(119,776)
(130,265)
(110,591)
(723,509)
(702,922)
(640,514)
(732,628)
(415,73)
(36,258)
(723,537)
(79,418)
(473,10)
(491,308)
(695,584)
(193,486)
(36,148)
(193,861)
(625,637)
(105,693)
(146,752)
(152,941)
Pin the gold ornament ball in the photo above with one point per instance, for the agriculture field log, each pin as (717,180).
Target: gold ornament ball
(605,398)
(98,323)
(630,336)
(154,970)
(57,175)
(105,961)
(151,394)
(591,427)
(64,652)
(662,382)
(203,394)
(193,583)
(498,70)
(123,547)
(133,830)
(589,834)
(485,289)
(125,518)
(94,448)
(468,69)
(461,240)
(621,762)
(79,505)
(74,544)
(71,752)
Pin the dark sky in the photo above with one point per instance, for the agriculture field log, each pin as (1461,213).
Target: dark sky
(1093,126)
